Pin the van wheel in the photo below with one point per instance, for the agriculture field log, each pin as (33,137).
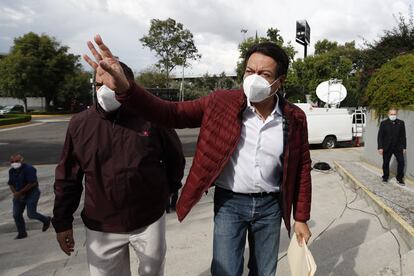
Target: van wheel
(329,142)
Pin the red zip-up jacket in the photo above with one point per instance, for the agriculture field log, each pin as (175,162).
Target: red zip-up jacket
(130,166)
(219,116)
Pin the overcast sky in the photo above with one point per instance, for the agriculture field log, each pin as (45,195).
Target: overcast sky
(215,24)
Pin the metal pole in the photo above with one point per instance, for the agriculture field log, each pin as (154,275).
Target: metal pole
(182,85)
(306,50)
(92,80)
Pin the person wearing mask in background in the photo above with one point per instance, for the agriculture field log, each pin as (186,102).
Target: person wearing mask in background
(392,141)
(25,188)
(130,168)
(253,146)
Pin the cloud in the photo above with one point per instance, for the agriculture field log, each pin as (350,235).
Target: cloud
(216,24)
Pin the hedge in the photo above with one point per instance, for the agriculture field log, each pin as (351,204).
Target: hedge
(14,119)
(50,112)
(392,85)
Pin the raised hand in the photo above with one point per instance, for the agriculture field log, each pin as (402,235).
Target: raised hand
(108,70)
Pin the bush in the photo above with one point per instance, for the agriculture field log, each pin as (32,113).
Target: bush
(14,119)
(50,112)
(392,85)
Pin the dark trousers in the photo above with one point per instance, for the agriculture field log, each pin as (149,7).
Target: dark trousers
(30,200)
(386,157)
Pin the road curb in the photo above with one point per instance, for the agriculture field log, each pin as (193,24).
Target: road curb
(394,220)
(407,180)
(16,125)
(51,115)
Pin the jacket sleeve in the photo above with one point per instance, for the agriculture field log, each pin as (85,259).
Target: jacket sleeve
(173,158)
(380,137)
(302,202)
(403,136)
(169,114)
(68,187)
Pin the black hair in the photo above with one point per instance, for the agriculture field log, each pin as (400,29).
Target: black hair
(272,50)
(128,72)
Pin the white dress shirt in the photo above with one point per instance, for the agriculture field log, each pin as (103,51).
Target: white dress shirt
(255,165)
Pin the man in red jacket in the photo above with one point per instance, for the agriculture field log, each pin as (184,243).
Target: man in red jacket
(253,146)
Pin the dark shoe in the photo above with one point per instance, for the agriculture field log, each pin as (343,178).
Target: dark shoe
(401,182)
(46,225)
(21,236)
(384,180)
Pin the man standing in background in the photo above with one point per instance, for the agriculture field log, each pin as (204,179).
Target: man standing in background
(392,140)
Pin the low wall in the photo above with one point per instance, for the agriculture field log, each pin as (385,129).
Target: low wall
(32,102)
(370,138)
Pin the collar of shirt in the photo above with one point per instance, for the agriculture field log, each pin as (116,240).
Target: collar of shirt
(276,110)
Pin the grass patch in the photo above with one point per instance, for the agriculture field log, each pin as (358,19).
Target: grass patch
(10,119)
(50,112)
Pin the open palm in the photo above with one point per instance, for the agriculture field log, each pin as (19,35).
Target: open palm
(107,67)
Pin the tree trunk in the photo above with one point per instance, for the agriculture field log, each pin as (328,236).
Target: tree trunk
(25,104)
(168,77)
(47,103)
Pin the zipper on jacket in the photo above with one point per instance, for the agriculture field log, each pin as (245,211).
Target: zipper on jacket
(225,160)
(118,114)
(285,127)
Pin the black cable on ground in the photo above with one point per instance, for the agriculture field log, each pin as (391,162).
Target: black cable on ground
(380,222)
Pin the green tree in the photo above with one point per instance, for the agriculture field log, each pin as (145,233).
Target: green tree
(16,77)
(324,46)
(392,85)
(173,44)
(399,40)
(152,78)
(273,35)
(75,91)
(332,61)
(36,66)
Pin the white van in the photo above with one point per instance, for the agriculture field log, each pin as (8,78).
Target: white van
(328,126)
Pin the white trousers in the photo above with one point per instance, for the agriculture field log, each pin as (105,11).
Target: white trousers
(108,253)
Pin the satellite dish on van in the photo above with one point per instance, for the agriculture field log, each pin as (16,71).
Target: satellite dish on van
(331,92)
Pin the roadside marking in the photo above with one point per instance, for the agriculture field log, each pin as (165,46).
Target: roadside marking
(394,215)
(52,120)
(378,172)
(13,128)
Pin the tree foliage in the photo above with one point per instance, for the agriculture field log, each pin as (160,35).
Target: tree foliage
(399,40)
(392,85)
(273,35)
(324,46)
(36,66)
(152,78)
(75,92)
(173,44)
(330,61)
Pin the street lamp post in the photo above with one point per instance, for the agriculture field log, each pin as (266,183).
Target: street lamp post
(181,98)
(303,34)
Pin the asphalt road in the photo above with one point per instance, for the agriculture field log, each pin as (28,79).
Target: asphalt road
(42,141)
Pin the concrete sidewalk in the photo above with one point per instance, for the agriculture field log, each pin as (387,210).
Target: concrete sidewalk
(349,236)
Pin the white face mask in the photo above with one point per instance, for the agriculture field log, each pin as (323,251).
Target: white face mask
(106,99)
(392,117)
(16,165)
(256,88)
